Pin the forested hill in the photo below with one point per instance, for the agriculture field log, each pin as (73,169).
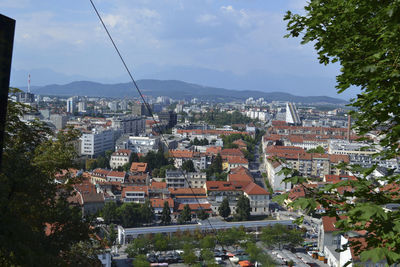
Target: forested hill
(174,89)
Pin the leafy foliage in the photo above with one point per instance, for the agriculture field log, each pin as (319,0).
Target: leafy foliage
(202,214)
(166,214)
(224,210)
(219,118)
(279,235)
(186,214)
(363,37)
(188,166)
(318,149)
(243,208)
(30,201)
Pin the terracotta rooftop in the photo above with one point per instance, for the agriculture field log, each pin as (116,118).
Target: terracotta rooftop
(187,191)
(181,154)
(225,186)
(338,178)
(236,160)
(116,174)
(158,185)
(232,152)
(255,189)
(100,172)
(159,203)
(138,167)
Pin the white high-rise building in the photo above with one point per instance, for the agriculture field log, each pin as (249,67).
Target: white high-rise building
(82,106)
(71,105)
(292,117)
(97,141)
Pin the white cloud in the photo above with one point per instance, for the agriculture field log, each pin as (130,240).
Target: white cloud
(227,8)
(207,19)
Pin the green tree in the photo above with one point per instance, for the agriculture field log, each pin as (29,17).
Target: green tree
(188,166)
(38,225)
(90,164)
(279,235)
(318,149)
(363,37)
(208,242)
(140,261)
(202,214)
(243,208)
(160,242)
(112,235)
(166,214)
(188,255)
(186,214)
(224,210)
(140,245)
(129,214)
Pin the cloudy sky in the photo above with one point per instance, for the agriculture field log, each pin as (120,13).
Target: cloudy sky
(236,44)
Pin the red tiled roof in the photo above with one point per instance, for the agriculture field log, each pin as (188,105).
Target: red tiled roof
(236,160)
(232,152)
(181,154)
(158,185)
(225,186)
(138,167)
(329,223)
(338,178)
(159,203)
(116,174)
(88,193)
(187,191)
(213,150)
(279,123)
(240,174)
(240,142)
(255,189)
(100,172)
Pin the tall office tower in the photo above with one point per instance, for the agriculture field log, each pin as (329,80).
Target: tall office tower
(292,117)
(71,105)
(140,109)
(168,116)
(82,106)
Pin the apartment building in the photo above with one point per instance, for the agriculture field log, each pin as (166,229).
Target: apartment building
(97,141)
(120,158)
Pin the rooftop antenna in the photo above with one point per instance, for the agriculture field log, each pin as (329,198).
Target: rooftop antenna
(29,83)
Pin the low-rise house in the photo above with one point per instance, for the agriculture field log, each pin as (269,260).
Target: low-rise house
(240,174)
(259,199)
(241,144)
(135,194)
(116,176)
(139,167)
(120,158)
(99,176)
(180,179)
(180,156)
(88,198)
(158,205)
(231,162)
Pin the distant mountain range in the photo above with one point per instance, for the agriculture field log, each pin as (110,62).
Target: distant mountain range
(174,89)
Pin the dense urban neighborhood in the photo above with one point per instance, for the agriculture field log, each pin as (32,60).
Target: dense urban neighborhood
(185,181)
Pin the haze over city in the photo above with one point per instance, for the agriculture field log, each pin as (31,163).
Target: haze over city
(229,44)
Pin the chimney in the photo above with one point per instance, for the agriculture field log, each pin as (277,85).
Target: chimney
(348,127)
